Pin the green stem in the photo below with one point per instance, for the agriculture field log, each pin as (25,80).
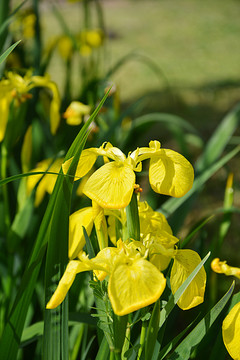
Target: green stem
(126,342)
(133,224)
(142,338)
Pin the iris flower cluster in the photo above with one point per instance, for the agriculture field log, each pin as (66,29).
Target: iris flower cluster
(134,268)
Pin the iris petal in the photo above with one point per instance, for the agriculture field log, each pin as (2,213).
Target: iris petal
(185,262)
(170,173)
(77,220)
(133,285)
(112,185)
(231,331)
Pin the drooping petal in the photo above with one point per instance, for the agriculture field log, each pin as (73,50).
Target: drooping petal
(66,281)
(134,285)
(80,218)
(170,173)
(112,185)
(185,262)
(231,331)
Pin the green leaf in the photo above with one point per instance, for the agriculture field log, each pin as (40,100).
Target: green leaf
(174,298)
(173,342)
(219,139)
(185,348)
(133,225)
(8,51)
(119,331)
(103,351)
(152,331)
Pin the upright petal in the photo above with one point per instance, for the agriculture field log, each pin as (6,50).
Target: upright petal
(231,331)
(112,185)
(80,218)
(185,262)
(134,285)
(170,173)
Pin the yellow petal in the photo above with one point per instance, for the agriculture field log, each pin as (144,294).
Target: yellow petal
(231,331)
(66,281)
(77,220)
(222,267)
(112,185)
(170,173)
(151,221)
(134,285)
(185,262)
(4,110)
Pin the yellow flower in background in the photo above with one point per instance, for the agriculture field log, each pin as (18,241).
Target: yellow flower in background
(65,46)
(133,281)
(231,324)
(90,39)
(24,24)
(29,22)
(93,38)
(17,88)
(112,185)
(75,112)
(47,182)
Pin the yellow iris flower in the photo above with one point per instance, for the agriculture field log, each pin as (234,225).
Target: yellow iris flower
(231,324)
(112,185)
(17,87)
(133,281)
(134,267)
(75,112)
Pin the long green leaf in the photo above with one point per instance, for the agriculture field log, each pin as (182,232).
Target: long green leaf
(8,51)
(173,343)
(219,139)
(184,350)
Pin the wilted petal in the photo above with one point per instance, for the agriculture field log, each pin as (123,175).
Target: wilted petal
(77,220)
(112,185)
(231,331)
(170,173)
(185,262)
(134,285)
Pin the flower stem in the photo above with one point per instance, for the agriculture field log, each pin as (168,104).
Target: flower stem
(142,338)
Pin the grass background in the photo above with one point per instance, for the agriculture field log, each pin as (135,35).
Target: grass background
(194,43)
